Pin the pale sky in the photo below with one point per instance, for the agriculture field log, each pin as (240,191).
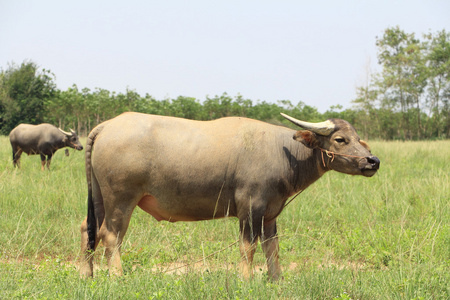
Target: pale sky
(310,51)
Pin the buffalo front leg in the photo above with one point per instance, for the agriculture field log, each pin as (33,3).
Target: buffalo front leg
(269,244)
(49,160)
(43,162)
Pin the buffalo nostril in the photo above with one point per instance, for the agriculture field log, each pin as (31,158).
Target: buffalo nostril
(374,161)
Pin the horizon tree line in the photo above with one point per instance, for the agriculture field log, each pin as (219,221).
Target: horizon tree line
(407,100)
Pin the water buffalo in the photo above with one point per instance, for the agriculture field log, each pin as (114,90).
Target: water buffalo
(183,170)
(43,139)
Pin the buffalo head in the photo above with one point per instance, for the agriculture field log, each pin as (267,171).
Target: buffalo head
(71,139)
(341,148)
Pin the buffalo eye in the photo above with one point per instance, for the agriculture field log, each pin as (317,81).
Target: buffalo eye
(339,140)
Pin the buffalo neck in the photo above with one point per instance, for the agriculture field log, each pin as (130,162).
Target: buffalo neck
(59,143)
(305,166)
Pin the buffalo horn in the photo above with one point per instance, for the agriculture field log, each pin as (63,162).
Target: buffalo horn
(322,128)
(65,132)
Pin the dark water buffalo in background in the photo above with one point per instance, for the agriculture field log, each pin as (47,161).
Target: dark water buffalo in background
(43,139)
(183,170)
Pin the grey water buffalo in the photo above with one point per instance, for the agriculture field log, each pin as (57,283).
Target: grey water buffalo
(43,139)
(183,170)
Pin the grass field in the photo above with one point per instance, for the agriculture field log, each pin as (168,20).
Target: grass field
(385,237)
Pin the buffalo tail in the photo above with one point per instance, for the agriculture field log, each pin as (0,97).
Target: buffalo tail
(92,220)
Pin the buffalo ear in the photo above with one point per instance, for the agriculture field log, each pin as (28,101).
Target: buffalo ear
(307,138)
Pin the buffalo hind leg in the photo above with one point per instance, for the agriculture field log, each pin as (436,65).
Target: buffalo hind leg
(16,157)
(97,212)
(112,234)
(269,244)
(112,239)
(115,225)
(86,259)
(250,231)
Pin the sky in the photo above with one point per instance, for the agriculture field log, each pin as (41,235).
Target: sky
(317,52)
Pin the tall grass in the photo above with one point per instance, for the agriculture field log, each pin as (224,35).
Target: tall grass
(346,237)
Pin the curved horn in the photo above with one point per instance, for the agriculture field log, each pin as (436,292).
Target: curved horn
(73,131)
(65,132)
(322,128)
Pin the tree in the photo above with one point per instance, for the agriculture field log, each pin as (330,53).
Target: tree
(24,91)
(73,101)
(56,110)
(368,104)
(186,107)
(438,63)
(404,76)
(408,99)
(240,106)
(218,107)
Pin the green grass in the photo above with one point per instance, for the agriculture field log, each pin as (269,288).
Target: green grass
(346,237)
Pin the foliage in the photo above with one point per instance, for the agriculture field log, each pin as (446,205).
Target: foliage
(23,93)
(409,98)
